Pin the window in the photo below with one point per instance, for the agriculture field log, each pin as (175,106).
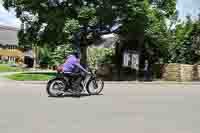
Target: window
(131,59)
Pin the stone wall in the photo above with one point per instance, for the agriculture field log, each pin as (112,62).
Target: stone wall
(196,72)
(172,72)
(181,72)
(168,72)
(186,72)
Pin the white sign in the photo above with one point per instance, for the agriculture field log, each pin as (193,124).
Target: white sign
(131,59)
(126,59)
(135,61)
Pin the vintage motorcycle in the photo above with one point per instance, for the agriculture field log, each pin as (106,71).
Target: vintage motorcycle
(63,84)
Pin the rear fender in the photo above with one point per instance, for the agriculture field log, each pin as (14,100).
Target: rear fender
(57,78)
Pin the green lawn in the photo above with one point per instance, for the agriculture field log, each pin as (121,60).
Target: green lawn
(31,76)
(6,68)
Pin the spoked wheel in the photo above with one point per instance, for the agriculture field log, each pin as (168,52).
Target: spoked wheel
(95,86)
(56,87)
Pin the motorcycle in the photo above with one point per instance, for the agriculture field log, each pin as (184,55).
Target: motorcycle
(63,84)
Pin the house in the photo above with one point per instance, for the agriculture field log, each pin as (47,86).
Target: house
(9,44)
(126,60)
(9,48)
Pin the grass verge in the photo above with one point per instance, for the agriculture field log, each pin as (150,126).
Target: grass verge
(31,76)
(6,68)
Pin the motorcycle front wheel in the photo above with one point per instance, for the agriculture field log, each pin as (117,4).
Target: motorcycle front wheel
(95,86)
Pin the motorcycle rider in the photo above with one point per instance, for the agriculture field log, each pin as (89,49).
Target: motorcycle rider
(73,68)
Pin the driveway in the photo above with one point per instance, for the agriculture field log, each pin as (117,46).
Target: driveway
(123,108)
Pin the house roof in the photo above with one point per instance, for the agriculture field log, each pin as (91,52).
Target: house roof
(106,41)
(8,35)
(14,53)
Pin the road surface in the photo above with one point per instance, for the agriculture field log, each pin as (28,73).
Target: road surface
(123,108)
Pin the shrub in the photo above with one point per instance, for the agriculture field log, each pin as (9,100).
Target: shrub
(58,56)
(99,56)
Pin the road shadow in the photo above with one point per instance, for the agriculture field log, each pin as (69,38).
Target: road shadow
(74,96)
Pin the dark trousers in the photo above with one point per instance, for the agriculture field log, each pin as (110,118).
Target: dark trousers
(146,75)
(75,79)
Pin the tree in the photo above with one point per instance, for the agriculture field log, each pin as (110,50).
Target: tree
(59,54)
(46,20)
(44,57)
(187,45)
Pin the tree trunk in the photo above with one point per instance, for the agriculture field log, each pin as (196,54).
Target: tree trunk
(118,60)
(35,51)
(140,48)
(84,55)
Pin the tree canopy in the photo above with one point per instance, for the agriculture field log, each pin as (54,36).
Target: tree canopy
(186,46)
(145,25)
(45,20)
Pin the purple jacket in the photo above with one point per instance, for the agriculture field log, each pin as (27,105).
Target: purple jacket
(71,63)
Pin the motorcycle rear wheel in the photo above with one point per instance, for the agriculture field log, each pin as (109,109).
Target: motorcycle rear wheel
(56,87)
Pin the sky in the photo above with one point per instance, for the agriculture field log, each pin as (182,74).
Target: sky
(185,7)
(188,7)
(8,18)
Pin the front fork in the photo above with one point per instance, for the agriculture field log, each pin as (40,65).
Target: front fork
(88,80)
(85,82)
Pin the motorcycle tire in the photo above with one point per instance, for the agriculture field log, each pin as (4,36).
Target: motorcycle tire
(98,89)
(61,90)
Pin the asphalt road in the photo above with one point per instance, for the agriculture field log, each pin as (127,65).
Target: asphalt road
(123,108)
